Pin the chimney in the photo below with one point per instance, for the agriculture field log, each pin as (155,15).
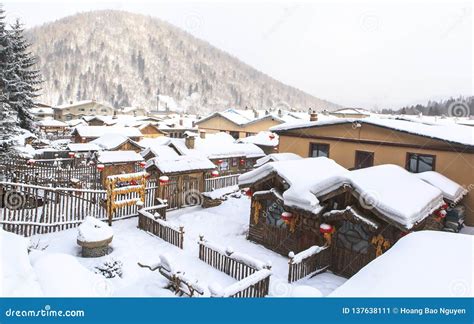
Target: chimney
(313,117)
(280,113)
(70,102)
(181,122)
(255,113)
(189,141)
(202,134)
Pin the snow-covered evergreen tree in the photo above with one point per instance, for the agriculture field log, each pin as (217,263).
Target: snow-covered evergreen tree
(23,79)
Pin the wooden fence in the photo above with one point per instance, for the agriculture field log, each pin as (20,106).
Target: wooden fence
(221,182)
(28,209)
(158,226)
(252,281)
(58,172)
(312,260)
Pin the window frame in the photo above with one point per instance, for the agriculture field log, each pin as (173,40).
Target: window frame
(311,144)
(408,159)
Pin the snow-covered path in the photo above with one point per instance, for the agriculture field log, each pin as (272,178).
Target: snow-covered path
(225,225)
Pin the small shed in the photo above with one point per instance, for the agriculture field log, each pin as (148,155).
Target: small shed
(117,142)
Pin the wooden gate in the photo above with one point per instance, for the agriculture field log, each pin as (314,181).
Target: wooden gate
(351,249)
(181,191)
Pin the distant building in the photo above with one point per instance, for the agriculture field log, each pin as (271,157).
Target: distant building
(350,113)
(79,109)
(242,123)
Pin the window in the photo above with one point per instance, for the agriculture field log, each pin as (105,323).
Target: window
(235,135)
(363,159)
(250,134)
(235,162)
(318,149)
(224,166)
(420,162)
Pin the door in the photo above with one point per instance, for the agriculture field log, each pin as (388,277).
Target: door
(363,159)
(351,249)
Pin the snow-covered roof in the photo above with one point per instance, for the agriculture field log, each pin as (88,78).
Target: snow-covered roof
(83,147)
(302,175)
(79,103)
(222,145)
(352,111)
(98,131)
(118,156)
(263,138)
(412,268)
(450,189)
(277,157)
(452,133)
(76,122)
(51,123)
(243,117)
(111,141)
(181,163)
(161,151)
(393,192)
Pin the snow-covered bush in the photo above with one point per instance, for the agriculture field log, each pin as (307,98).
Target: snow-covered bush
(110,269)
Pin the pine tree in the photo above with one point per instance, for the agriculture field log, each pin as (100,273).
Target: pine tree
(24,79)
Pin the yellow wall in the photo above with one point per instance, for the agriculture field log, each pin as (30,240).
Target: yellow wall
(220,124)
(457,166)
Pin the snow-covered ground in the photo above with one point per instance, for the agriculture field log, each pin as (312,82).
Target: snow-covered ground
(225,225)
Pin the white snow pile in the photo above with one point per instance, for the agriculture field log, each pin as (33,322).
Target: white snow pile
(274,157)
(217,291)
(98,131)
(301,175)
(83,147)
(94,230)
(305,291)
(421,264)
(181,163)
(61,275)
(219,193)
(263,138)
(450,189)
(17,277)
(118,157)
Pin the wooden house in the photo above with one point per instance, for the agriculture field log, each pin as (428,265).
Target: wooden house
(117,142)
(117,162)
(181,178)
(358,214)
(84,134)
(149,130)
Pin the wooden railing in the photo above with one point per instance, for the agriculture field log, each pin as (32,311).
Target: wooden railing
(29,209)
(312,260)
(253,275)
(221,182)
(153,220)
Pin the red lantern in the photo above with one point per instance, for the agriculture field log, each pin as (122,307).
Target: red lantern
(249,192)
(30,162)
(445,206)
(271,136)
(164,180)
(219,161)
(286,216)
(100,167)
(242,161)
(71,154)
(215,173)
(325,228)
(142,164)
(441,213)
(147,175)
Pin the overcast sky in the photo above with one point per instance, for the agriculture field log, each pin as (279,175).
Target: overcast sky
(362,54)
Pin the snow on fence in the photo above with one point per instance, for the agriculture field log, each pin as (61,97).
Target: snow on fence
(29,209)
(312,260)
(211,184)
(153,220)
(253,274)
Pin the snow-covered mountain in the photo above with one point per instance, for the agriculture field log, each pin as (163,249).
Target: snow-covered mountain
(126,59)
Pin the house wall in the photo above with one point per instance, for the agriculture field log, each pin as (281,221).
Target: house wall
(389,147)
(150,131)
(113,169)
(78,111)
(220,124)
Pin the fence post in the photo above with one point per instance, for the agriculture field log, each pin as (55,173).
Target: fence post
(291,255)
(181,237)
